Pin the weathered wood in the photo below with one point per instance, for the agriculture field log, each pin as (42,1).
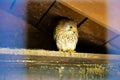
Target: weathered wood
(57,11)
(46,57)
(99,11)
(95,33)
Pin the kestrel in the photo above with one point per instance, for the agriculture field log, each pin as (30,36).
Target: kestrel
(66,35)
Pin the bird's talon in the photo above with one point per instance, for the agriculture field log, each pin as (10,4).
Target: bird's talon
(71,51)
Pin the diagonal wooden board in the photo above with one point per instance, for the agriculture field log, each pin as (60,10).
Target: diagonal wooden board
(46,57)
(103,12)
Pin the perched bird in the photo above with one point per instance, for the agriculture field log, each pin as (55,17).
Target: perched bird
(66,35)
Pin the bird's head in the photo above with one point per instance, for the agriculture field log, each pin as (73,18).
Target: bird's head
(70,27)
(67,26)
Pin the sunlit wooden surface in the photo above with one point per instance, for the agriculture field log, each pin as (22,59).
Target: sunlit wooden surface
(104,12)
(47,57)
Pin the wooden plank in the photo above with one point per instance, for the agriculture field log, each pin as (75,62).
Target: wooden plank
(95,33)
(46,57)
(59,10)
(99,11)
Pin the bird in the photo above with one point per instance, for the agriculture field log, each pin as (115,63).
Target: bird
(66,35)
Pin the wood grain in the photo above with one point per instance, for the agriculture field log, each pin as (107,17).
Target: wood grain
(55,57)
(99,11)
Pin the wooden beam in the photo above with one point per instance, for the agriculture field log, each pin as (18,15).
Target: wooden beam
(98,11)
(46,57)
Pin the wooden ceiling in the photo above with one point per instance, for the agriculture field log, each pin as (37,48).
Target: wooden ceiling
(104,12)
(39,17)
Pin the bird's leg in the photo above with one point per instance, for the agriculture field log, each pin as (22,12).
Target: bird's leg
(61,50)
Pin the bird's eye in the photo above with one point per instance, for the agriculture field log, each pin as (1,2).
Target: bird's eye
(70,27)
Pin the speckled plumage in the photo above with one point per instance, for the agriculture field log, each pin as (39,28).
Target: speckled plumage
(66,35)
